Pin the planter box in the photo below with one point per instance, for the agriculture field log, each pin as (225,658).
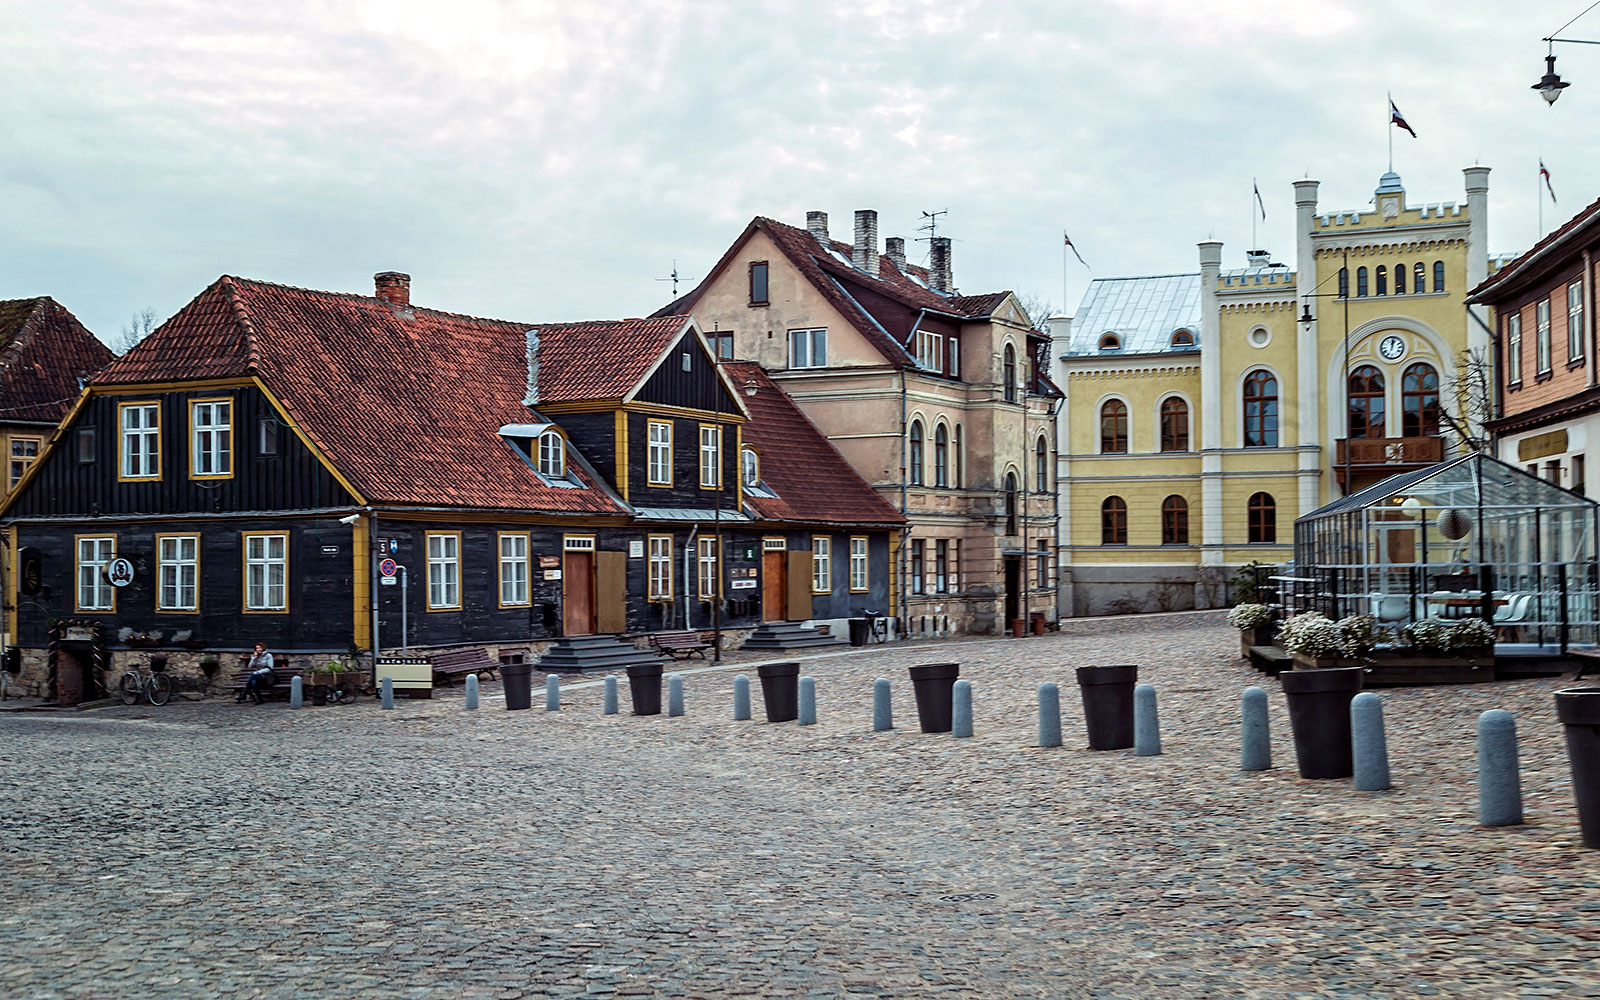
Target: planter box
(1254,637)
(1428,666)
(1305,661)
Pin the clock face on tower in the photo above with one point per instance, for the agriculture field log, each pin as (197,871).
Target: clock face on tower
(1392,348)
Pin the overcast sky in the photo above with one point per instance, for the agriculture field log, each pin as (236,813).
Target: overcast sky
(549,161)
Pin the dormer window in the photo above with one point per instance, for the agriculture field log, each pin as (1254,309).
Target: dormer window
(1182,338)
(1110,342)
(750,466)
(552,455)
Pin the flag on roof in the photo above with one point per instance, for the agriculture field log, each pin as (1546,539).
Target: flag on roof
(1259,203)
(1396,118)
(1074,249)
(1545,173)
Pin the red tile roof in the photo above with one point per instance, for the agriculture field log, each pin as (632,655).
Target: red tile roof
(813,482)
(845,287)
(1506,272)
(604,359)
(44,351)
(405,402)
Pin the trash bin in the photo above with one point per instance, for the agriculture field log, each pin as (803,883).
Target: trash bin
(644,684)
(780,689)
(1108,705)
(517,679)
(1579,712)
(934,684)
(1319,714)
(860,630)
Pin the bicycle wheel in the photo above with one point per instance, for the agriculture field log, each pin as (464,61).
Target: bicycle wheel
(130,688)
(160,689)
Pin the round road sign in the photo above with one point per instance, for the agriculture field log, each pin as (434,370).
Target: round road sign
(388,567)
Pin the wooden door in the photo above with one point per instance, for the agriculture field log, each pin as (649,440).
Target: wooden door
(1013,589)
(774,586)
(577,593)
(611,592)
(798,603)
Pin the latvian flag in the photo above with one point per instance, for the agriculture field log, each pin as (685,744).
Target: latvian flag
(1396,118)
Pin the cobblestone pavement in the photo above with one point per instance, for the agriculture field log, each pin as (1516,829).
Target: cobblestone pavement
(207,849)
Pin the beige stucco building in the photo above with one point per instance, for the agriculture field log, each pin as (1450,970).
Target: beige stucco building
(940,400)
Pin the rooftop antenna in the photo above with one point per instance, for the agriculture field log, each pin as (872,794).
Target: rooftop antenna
(675,279)
(930,225)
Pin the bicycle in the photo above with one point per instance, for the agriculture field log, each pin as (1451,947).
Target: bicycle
(877,625)
(157,687)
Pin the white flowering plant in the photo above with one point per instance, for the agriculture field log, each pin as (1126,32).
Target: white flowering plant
(1432,633)
(1471,633)
(1358,635)
(1250,616)
(1310,634)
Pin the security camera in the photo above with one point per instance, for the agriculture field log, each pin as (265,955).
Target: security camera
(350,519)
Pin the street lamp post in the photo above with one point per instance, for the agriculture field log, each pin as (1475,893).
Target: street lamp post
(1551,85)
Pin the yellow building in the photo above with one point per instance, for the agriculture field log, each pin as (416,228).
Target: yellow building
(1206,411)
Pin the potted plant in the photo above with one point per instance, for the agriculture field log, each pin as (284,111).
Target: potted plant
(1315,641)
(136,639)
(209,664)
(324,676)
(1254,622)
(185,638)
(1320,687)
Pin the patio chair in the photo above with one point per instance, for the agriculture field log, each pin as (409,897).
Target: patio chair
(1390,608)
(1508,618)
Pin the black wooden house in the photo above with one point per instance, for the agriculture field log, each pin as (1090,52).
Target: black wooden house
(260,456)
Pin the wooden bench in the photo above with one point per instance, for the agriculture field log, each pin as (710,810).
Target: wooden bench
(461,662)
(282,672)
(1270,659)
(679,644)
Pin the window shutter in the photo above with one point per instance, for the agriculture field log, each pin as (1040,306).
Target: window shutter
(611,592)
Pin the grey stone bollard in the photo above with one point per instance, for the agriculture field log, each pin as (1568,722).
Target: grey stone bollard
(674,695)
(741,698)
(1369,751)
(297,689)
(552,693)
(1256,736)
(882,713)
(386,691)
(610,705)
(961,709)
(1499,780)
(1049,715)
(472,692)
(1146,724)
(808,701)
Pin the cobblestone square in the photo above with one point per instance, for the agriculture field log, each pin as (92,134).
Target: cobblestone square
(209,849)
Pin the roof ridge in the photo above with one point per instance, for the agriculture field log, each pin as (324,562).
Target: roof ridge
(252,348)
(15,346)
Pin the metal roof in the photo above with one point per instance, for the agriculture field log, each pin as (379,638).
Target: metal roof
(688,514)
(1143,312)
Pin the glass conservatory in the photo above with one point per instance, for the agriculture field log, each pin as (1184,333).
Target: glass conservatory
(1469,537)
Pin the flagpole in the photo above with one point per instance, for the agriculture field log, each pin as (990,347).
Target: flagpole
(1388,126)
(1063,272)
(1253,190)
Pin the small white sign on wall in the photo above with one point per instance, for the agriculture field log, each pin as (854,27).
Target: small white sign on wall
(742,584)
(636,550)
(552,574)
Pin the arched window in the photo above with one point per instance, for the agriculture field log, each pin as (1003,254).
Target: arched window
(1113,427)
(1174,424)
(1182,338)
(1113,522)
(1011,503)
(552,455)
(1263,519)
(1344,282)
(1399,279)
(1174,521)
(750,464)
(914,461)
(1382,276)
(1110,342)
(1361,282)
(1366,403)
(1008,372)
(941,456)
(961,461)
(1260,410)
(1419,278)
(1041,465)
(1419,396)
(1438,275)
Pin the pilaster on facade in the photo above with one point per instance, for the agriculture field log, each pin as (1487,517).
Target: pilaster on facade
(1306,356)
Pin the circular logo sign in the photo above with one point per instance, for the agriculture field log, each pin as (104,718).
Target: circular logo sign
(119,572)
(388,567)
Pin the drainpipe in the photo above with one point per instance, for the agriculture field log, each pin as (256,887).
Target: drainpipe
(905,532)
(1055,463)
(688,577)
(1588,314)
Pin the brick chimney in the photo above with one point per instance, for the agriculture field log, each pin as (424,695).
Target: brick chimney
(939,264)
(393,287)
(817,226)
(894,248)
(865,252)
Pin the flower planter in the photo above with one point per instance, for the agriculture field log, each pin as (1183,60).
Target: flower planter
(1108,705)
(1410,665)
(1325,661)
(1319,714)
(135,642)
(1579,712)
(1248,637)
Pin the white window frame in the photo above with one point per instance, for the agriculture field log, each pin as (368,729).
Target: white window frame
(1542,336)
(710,456)
(658,437)
(952,357)
(552,455)
(444,570)
(749,465)
(1514,349)
(941,566)
(514,569)
(211,438)
(930,350)
(1575,321)
(139,444)
(860,568)
(808,348)
(822,564)
(91,573)
(706,559)
(177,573)
(658,571)
(266,576)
